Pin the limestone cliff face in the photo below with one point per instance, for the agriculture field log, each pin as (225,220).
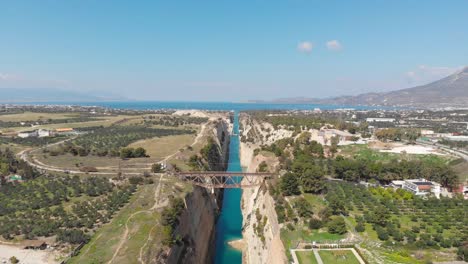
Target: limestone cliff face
(198,222)
(197,229)
(261,230)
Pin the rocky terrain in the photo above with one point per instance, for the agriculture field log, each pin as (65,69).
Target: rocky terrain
(451,91)
(258,208)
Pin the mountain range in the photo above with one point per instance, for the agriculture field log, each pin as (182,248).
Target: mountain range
(25,95)
(451,91)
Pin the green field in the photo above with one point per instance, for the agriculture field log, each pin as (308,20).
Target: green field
(290,237)
(306,257)
(338,256)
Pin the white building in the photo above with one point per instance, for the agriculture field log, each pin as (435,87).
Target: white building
(420,186)
(44,133)
(425,132)
(379,119)
(457,138)
(26,134)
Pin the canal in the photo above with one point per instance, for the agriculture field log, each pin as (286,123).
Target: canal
(229,226)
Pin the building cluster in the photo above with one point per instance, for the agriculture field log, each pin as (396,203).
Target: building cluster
(39,133)
(325,136)
(420,187)
(423,187)
(433,136)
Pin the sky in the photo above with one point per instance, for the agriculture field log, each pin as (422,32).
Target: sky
(230,50)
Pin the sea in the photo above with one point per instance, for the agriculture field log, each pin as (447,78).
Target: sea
(225,106)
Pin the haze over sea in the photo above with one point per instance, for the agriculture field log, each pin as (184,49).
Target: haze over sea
(143,105)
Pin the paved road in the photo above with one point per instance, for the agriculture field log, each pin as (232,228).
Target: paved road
(456,152)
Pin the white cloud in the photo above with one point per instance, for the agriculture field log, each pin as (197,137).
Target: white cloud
(424,74)
(305,47)
(7,77)
(334,45)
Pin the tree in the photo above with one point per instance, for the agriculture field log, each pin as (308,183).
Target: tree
(14,260)
(336,205)
(337,225)
(126,153)
(312,180)
(315,223)
(360,227)
(304,209)
(381,216)
(382,234)
(462,252)
(289,184)
(156,168)
(139,152)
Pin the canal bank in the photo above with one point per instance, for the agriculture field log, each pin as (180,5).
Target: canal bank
(229,225)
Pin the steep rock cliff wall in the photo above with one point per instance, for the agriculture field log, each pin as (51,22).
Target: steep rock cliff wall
(261,230)
(198,222)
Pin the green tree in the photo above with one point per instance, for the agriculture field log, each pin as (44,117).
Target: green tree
(14,260)
(289,184)
(304,209)
(156,168)
(126,153)
(315,223)
(360,227)
(462,252)
(337,225)
(139,152)
(313,180)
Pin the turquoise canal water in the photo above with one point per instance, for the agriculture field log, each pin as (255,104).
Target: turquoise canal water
(229,226)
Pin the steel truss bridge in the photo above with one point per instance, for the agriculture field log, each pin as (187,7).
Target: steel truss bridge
(224,179)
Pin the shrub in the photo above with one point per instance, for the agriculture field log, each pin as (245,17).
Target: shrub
(315,223)
(88,169)
(337,226)
(360,227)
(156,168)
(382,234)
(135,180)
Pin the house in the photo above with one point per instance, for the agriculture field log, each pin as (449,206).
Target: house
(426,132)
(35,244)
(380,119)
(15,178)
(422,187)
(462,189)
(457,138)
(65,131)
(397,184)
(44,133)
(27,134)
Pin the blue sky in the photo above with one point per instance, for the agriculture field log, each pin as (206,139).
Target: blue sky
(230,50)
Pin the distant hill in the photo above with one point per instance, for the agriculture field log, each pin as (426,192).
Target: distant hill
(449,91)
(15,95)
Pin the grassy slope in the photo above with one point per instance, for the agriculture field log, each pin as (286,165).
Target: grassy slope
(104,242)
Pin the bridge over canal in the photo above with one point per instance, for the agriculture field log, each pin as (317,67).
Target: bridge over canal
(224,179)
